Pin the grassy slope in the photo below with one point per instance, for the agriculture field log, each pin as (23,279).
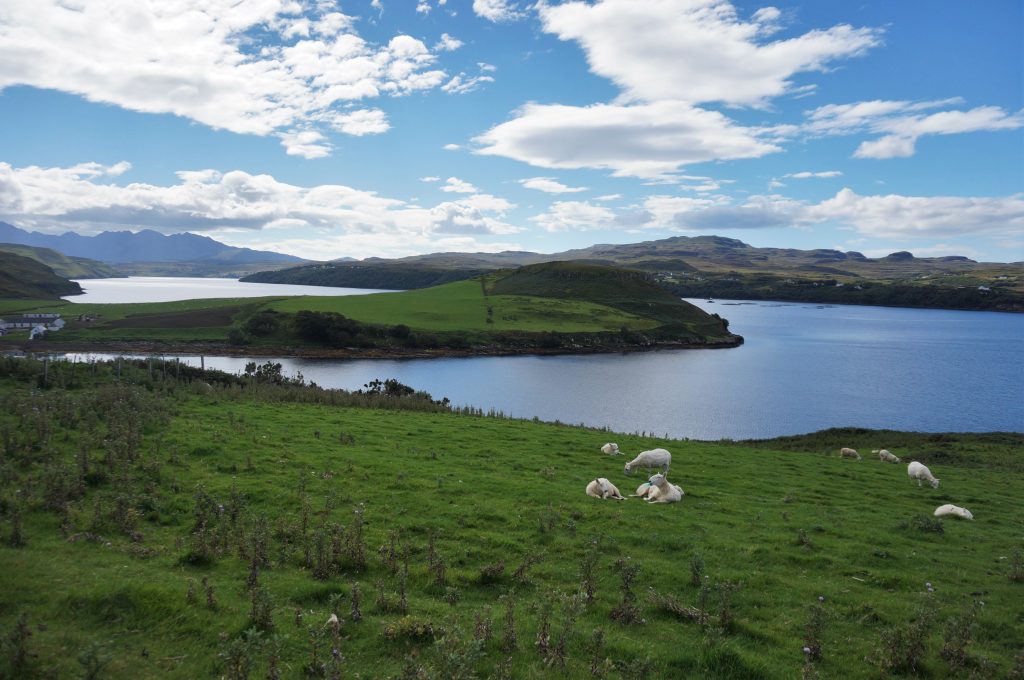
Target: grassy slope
(495,490)
(63,265)
(24,277)
(463,306)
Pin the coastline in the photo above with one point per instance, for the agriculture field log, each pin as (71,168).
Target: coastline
(225,349)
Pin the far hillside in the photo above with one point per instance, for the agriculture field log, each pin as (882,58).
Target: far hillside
(63,265)
(556,307)
(26,278)
(714,266)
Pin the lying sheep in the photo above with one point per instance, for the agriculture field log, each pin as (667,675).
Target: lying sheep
(954,510)
(849,453)
(642,491)
(662,492)
(922,474)
(650,459)
(611,449)
(602,488)
(885,456)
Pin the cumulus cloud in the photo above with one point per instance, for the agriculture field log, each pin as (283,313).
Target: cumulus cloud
(643,140)
(549,185)
(455,185)
(305,143)
(447,43)
(888,216)
(497,10)
(895,216)
(825,174)
(268,67)
(462,84)
(902,123)
(697,51)
(83,198)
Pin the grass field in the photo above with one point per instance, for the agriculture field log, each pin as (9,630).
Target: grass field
(463,306)
(127,496)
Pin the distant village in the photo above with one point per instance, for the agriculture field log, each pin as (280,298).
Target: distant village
(36,324)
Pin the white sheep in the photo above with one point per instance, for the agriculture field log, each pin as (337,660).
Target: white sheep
(602,488)
(654,458)
(885,456)
(642,491)
(849,453)
(955,510)
(611,449)
(663,492)
(922,474)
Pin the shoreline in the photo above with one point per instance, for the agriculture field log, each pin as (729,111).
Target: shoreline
(223,349)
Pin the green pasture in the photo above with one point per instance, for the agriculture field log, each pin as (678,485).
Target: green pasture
(765,530)
(463,306)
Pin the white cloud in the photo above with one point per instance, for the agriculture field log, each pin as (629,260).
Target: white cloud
(451,147)
(608,197)
(430,179)
(497,10)
(305,143)
(462,84)
(360,122)
(458,186)
(549,185)
(263,67)
(825,174)
(423,7)
(646,140)
(895,216)
(447,43)
(81,198)
(901,124)
(576,216)
(697,51)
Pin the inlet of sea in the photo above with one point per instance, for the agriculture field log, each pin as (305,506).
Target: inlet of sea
(804,367)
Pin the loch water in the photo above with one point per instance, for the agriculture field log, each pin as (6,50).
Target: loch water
(803,367)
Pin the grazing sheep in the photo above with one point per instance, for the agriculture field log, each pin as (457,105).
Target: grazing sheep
(955,510)
(611,449)
(922,474)
(650,459)
(849,453)
(886,456)
(663,492)
(602,488)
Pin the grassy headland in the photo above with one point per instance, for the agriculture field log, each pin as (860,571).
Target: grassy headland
(713,266)
(553,307)
(28,278)
(156,521)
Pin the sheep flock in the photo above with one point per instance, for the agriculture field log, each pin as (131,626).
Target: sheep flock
(657,489)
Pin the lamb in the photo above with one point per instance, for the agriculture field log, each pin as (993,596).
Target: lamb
(602,488)
(611,449)
(922,474)
(663,492)
(642,491)
(955,510)
(650,459)
(849,453)
(885,456)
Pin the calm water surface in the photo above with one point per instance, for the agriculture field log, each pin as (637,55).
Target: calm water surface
(171,288)
(803,367)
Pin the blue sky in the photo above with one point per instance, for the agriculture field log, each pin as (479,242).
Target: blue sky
(395,127)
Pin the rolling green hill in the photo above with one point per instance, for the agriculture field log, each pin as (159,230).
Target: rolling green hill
(63,265)
(158,521)
(549,307)
(714,266)
(24,277)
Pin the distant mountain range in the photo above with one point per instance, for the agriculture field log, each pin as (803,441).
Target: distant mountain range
(146,246)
